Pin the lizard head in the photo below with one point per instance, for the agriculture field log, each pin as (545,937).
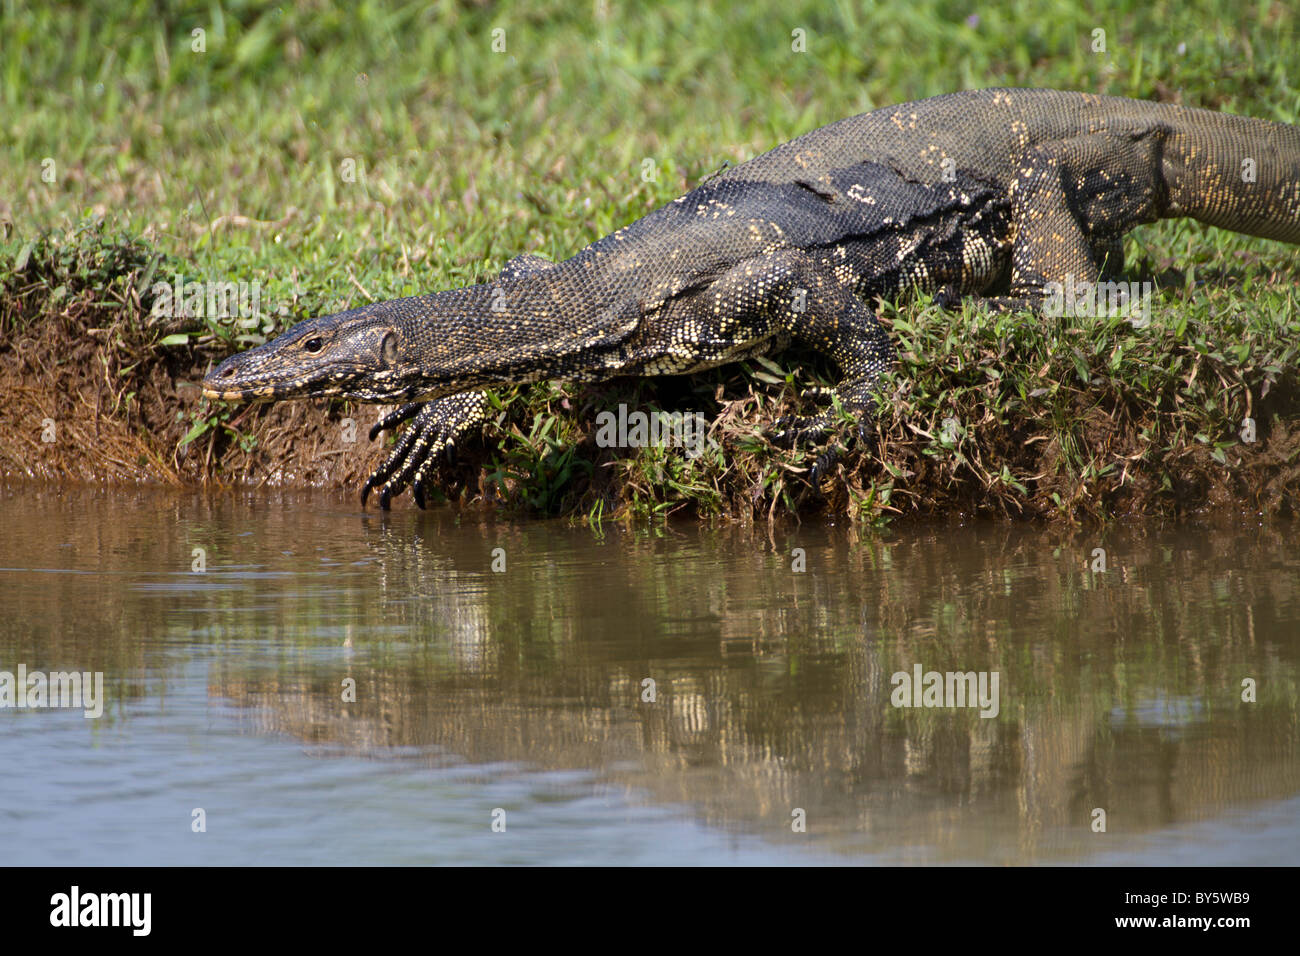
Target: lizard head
(355,354)
(421,347)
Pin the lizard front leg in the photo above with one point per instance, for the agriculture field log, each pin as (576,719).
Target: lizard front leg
(837,322)
(789,294)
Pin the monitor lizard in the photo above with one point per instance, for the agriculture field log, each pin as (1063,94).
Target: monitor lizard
(1000,190)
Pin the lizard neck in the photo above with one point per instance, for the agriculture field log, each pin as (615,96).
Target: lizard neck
(507,331)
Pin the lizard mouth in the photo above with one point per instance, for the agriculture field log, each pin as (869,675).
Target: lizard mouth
(279,390)
(223,382)
(363,385)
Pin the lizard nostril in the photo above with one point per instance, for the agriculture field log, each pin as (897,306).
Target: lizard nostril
(227,373)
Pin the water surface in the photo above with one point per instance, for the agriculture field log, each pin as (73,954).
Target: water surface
(522,694)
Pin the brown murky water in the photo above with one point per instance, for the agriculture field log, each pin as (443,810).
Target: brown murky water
(677,694)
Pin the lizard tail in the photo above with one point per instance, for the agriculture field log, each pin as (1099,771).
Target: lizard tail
(1234,172)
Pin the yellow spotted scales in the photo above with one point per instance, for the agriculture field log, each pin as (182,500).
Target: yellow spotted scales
(990,191)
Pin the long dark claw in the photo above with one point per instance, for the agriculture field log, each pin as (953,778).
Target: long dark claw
(395,418)
(384,472)
(370,484)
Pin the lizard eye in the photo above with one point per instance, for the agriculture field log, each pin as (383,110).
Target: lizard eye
(313,345)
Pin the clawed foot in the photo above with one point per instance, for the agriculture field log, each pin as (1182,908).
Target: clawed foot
(428,440)
(864,434)
(793,430)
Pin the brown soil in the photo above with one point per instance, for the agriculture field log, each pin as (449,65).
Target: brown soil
(121,425)
(115,419)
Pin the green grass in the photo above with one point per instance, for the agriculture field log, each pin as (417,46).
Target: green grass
(341,155)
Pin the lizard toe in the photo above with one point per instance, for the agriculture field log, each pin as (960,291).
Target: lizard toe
(817,393)
(824,464)
(395,418)
(421,479)
(799,429)
(382,475)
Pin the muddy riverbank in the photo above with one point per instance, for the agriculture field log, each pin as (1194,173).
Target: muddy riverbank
(1050,419)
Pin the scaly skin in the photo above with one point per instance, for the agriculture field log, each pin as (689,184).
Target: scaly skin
(966,194)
